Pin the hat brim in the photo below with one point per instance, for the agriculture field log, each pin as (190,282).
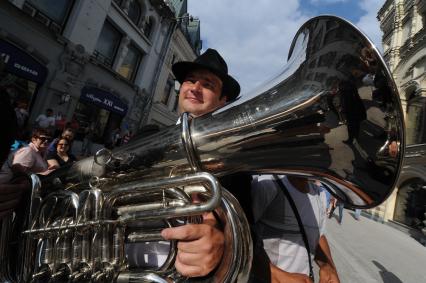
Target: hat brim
(231,88)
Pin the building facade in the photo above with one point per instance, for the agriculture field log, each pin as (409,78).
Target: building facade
(403,23)
(185,46)
(95,63)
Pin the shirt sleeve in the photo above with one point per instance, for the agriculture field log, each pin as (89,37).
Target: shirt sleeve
(263,191)
(24,157)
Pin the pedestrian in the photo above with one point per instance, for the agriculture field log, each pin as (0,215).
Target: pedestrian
(89,135)
(46,121)
(290,216)
(30,159)
(357,214)
(127,137)
(69,134)
(61,157)
(12,185)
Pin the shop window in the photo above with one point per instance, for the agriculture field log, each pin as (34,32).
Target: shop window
(167,91)
(128,68)
(107,44)
(56,10)
(134,11)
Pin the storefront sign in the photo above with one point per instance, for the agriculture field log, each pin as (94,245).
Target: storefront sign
(103,99)
(21,64)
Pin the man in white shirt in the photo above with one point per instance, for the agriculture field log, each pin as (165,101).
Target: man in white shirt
(46,121)
(277,225)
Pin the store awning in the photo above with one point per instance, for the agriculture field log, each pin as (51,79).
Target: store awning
(103,99)
(21,64)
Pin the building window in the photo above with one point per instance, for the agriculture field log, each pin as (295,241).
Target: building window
(56,10)
(107,44)
(406,31)
(134,11)
(128,68)
(148,27)
(167,91)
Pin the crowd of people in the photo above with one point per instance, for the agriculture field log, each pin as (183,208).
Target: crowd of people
(287,214)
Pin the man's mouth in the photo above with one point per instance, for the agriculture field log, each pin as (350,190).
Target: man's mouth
(194,99)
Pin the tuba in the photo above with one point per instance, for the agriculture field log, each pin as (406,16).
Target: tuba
(329,115)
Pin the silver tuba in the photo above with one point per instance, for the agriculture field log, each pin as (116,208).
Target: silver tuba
(331,114)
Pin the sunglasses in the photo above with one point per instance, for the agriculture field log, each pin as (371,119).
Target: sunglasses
(63,144)
(44,139)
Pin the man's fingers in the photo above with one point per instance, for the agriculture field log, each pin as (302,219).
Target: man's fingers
(184,233)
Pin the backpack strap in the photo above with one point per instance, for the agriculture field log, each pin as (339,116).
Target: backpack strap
(299,222)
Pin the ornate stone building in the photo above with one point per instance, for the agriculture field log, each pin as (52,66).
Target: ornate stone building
(185,45)
(403,23)
(94,62)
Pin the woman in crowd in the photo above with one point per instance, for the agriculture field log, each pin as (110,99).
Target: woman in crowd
(62,156)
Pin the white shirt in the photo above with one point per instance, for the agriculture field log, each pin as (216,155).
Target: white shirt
(277,226)
(45,121)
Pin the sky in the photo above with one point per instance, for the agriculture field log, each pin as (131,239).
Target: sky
(254,36)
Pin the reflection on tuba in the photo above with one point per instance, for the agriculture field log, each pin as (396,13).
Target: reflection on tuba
(326,116)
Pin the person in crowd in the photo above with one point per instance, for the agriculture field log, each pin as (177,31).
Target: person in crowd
(89,135)
(127,136)
(69,134)
(22,114)
(30,159)
(335,203)
(46,121)
(353,108)
(12,185)
(60,157)
(279,203)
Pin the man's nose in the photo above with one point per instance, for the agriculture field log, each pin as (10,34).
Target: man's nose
(197,86)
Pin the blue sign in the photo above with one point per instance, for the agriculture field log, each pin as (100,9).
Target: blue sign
(21,64)
(103,99)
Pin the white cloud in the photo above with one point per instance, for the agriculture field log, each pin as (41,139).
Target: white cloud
(253,37)
(369,23)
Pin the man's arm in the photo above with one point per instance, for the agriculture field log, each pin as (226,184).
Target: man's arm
(328,272)
(281,276)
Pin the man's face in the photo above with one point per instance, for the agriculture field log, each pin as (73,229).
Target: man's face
(41,142)
(69,135)
(200,93)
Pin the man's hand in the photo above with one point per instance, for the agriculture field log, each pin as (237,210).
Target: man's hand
(328,274)
(281,276)
(200,246)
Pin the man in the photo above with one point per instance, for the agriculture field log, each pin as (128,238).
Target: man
(12,186)
(46,121)
(277,225)
(30,159)
(205,87)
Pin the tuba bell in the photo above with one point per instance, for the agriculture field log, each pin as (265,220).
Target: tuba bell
(319,118)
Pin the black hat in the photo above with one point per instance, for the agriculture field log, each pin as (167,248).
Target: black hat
(212,61)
